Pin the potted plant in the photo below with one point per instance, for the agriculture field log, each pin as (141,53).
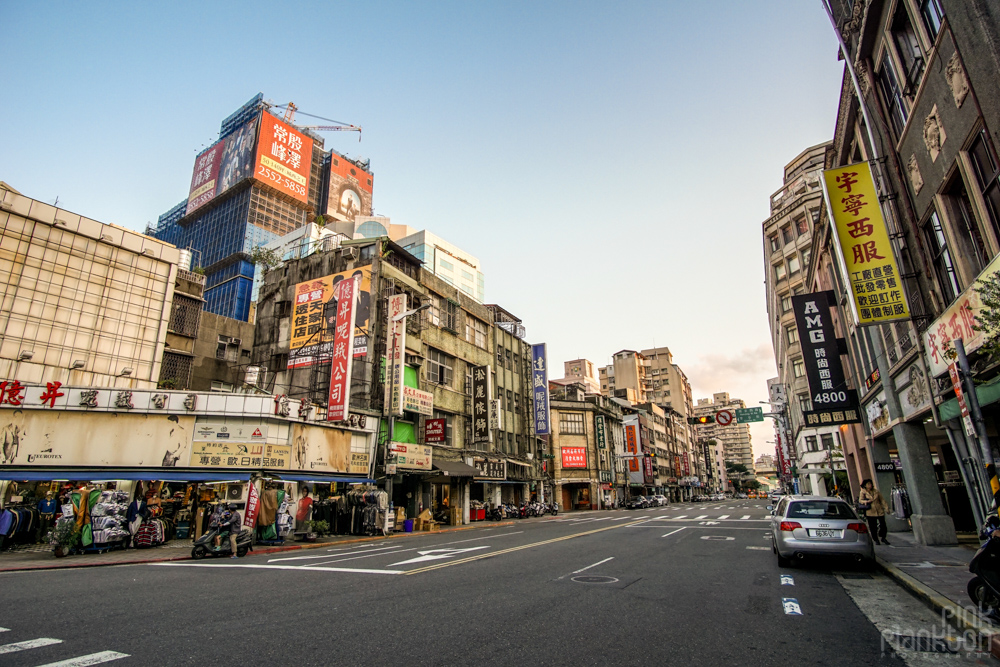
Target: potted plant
(64,537)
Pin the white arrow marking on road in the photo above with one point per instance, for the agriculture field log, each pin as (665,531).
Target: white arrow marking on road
(787,580)
(791,606)
(4,629)
(682,516)
(436,554)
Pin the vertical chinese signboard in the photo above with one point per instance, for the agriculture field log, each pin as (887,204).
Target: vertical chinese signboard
(956,383)
(482,391)
(601,435)
(205,177)
(632,447)
(346,294)
(540,390)
(863,240)
(395,354)
(284,158)
(821,357)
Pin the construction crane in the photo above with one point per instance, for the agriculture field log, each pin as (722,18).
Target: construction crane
(289,116)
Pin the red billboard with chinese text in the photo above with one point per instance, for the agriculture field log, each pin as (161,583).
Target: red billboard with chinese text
(346,294)
(284,158)
(574,457)
(434,430)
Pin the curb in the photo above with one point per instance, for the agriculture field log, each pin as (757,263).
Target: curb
(256,552)
(953,610)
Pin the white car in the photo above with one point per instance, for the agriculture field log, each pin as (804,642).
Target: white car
(661,500)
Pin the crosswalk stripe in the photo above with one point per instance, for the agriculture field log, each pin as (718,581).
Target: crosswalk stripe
(682,516)
(92,659)
(745,516)
(724,516)
(33,643)
(700,517)
(4,629)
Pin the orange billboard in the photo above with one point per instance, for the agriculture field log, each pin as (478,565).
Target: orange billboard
(284,158)
(349,189)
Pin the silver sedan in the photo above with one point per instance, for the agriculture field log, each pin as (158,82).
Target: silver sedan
(818,526)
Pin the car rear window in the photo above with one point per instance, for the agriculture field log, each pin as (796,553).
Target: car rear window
(820,509)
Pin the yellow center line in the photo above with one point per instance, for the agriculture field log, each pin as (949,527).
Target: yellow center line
(525,546)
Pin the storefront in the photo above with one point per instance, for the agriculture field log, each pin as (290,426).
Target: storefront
(450,491)
(153,466)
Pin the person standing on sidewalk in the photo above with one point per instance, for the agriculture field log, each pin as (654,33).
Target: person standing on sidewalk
(875,507)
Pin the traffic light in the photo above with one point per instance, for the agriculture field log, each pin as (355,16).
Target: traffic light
(706,419)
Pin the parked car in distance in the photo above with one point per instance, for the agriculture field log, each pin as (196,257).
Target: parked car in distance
(636,503)
(661,500)
(803,526)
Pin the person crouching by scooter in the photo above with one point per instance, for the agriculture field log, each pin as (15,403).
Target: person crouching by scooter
(229,521)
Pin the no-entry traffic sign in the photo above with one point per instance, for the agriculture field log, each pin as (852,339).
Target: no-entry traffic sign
(724,417)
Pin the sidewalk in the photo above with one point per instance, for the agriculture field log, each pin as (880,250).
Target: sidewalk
(938,576)
(40,557)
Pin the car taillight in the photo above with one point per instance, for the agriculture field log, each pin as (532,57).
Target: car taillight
(789,525)
(857,527)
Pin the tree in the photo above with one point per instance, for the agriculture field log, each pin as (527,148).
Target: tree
(736,467)
(988,318)
(265,258)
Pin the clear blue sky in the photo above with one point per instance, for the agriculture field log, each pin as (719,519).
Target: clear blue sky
(609,163)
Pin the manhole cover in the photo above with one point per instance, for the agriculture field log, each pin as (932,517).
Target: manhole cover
(593,579)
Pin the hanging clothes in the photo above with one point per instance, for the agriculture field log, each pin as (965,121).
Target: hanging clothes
(268,508)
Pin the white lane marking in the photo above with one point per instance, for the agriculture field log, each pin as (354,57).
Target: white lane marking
(488,537)
(791,606)
(4,629)
(700,517)
(297,568)
(328,555)
(682,516)
(744,517)
(367,555)
(33,643)
(436,554)
(760,548)
(584,569)
(92,659)
(787,580)
(673,531)
(718,538)
(724,516)
(622,518)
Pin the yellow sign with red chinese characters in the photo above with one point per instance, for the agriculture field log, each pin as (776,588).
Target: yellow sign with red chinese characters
(872,270)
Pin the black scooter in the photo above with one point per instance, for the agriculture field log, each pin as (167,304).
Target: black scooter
(984,588)
(204,546)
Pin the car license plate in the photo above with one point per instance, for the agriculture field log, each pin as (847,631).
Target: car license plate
(824,533)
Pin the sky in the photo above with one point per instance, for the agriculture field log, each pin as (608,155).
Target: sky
(610,164)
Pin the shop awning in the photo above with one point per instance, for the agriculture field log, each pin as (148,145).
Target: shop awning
(986,393)
(455,468)
(93,475)
(319,477)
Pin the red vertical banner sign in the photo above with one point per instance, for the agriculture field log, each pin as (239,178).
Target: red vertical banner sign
(253,506)
(395,351)
(956,383)
(346,294)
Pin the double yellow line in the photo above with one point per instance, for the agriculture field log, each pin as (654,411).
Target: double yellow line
(470,559)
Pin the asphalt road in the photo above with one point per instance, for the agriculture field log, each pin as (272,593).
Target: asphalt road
(689,584)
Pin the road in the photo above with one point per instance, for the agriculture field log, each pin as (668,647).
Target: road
(686,584)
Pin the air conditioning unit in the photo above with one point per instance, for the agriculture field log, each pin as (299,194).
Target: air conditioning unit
(236,493)
(350,253)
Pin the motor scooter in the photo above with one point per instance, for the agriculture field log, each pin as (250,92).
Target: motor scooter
(204,546)
(984,588)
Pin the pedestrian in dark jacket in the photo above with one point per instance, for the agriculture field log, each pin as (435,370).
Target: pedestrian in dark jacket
(875,514)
